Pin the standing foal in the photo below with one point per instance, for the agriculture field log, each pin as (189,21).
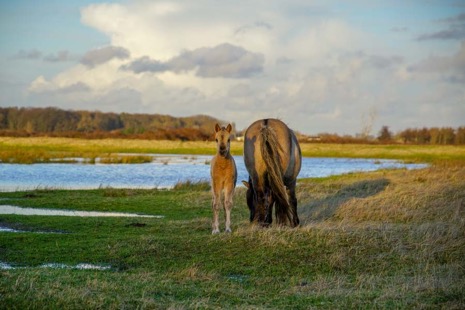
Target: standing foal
(224,176)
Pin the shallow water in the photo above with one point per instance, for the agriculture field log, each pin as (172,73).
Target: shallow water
(82,266)
(164,172)
(8,209)
(7,229)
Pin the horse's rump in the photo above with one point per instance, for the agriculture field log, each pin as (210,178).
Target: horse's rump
(272,158)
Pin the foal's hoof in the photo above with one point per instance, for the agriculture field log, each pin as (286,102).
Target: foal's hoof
(228,230)
(215,231)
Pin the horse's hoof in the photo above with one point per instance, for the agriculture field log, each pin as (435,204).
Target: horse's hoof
(228,230)
(215,231)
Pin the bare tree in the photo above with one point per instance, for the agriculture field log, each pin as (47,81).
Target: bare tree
(367,122)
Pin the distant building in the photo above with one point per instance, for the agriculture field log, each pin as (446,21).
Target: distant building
(313,138)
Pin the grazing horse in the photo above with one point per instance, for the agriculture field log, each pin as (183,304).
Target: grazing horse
(223,177)
(273,159)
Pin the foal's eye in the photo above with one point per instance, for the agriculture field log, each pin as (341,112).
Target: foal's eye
(216,140)
(229,140)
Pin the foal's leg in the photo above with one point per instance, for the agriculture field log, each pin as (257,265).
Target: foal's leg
(216,200)
(228,204)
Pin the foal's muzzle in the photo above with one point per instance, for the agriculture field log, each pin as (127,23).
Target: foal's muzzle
(223,150)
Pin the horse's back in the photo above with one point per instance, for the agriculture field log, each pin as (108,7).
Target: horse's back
(280,128)
(288,150)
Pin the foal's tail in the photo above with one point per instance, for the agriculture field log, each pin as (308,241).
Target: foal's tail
(269,150)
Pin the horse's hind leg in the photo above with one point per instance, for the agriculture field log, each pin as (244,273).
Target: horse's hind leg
(293,202)
(228,204)
(269,202)
(281,215)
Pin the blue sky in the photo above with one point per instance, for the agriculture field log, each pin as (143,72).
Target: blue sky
(47,25)
(321,66)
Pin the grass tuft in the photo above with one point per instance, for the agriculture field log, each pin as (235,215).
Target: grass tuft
(192,185)
(127,159)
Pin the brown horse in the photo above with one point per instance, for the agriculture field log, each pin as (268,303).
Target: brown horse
(273,159)
(223,177)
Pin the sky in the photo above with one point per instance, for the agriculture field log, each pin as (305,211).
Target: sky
(320,66)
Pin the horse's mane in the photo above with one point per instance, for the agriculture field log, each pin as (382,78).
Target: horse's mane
(270,148)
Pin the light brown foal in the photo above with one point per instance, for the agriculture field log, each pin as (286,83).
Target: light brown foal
(224,176)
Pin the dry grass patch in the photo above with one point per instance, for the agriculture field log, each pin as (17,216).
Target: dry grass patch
(400,196)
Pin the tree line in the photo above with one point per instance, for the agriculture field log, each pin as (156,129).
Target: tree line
(433,136)
(443,135)
(51,121)
(94,124)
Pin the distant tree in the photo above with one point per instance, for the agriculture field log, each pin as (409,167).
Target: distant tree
(407,135)
(460,135)
(435,134)
(447,135)
(367,122)
(3,118)
(384,134)
(423,136)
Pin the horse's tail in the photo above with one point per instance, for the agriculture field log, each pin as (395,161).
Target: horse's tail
(270,147)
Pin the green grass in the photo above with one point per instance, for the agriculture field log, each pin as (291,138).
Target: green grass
(387,239)
(126,159)
(410,153)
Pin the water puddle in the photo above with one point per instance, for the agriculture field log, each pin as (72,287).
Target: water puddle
(7,229)
(8,209)
(14,230)
(83,266)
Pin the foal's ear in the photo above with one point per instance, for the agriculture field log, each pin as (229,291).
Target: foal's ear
(217,127)
(247,184)
(229,128)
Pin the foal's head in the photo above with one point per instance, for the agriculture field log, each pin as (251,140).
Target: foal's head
(223,139)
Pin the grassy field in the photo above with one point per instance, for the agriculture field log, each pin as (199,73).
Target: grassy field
(387,239)
(31,150)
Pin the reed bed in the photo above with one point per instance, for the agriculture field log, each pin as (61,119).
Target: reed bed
(125,159)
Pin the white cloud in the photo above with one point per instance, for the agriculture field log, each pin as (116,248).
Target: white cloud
(40,84)
(157,30)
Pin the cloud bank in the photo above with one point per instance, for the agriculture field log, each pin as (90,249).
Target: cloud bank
(300,62)
(224,60)
(102,55)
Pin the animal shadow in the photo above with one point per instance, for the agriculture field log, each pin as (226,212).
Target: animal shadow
(322,209)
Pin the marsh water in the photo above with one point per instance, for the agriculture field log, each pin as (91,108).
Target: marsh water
(7,209)
(163,172)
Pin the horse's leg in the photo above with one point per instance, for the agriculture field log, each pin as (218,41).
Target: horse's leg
(228,204)
(216,198)
(269,202)
(281,216)
(293,202)
(261,211)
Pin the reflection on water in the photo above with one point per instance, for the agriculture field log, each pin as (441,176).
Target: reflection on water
(7,209)
(7,229)
(164,172)
(83,266)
